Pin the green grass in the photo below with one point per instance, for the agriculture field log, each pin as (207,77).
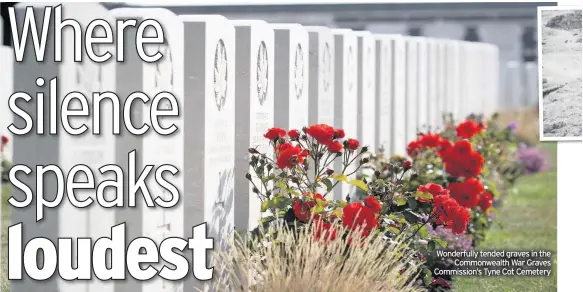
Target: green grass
(529,222)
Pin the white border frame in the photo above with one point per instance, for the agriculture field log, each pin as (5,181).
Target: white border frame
(542,138)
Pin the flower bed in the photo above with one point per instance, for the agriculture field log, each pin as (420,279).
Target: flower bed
(442,196)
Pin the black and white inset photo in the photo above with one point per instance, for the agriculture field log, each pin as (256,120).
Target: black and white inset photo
(560,73)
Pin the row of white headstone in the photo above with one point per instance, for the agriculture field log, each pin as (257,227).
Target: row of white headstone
(233,79)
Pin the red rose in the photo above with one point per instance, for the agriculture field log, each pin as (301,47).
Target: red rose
(467,129)
(413,147)
(407,164)
(274,133)
(357,216)
(430,140)
(352,144)
(322,133)
(373,204)
(485,201)
(460,218)
(466,193)
(5,140)
(303,209)
(323,230)
(443,147)
(335,147)
(339,133)
(434,189)
(290,155)
(293,134)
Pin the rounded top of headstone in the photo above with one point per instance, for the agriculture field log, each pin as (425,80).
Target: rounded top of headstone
(285,25)
(202,18)
(363,33)
(162,14)
(387,36)
(342,31)
(316,28)
(248,22)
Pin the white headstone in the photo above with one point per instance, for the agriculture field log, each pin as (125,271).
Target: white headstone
(454,83)
(514,85)
(345,92)
(64,150)
(366,90)
(399,93)
(423,120)
(291,76)
(412,103)
(321,73)
(433,114)
(165,75)
(443,79)
(254,112)
(531,73)
(383,92)
(210,102)
(465,80)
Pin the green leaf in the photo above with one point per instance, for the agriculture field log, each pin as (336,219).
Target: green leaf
(422,231)
(328,184)
(394,230)
(401,201)
(412,203)
(360,184)
(424,196)
(411,216)
(265,205)
(431,245)
(339,177)
(440,242)
(428,276)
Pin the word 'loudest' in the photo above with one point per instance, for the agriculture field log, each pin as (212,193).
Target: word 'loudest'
(109,257)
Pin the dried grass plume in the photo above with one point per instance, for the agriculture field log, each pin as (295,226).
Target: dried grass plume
(288,261)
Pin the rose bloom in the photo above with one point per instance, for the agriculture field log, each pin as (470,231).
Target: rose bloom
(357,216)
(274,133)
(340,133)
(293,134)
(434,189)
(303,209)
(373,204)
(335,147)
(289,155)
(467,129)
(485,201)
(352,144)
(325,231)
(430,140)
(466,193)
(323,133)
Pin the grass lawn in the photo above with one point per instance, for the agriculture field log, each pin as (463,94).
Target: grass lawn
(529,221)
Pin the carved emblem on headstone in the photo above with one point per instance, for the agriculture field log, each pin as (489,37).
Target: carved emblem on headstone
(220,75)
(327,67)
(369,67)
(262,73)
(164,75)
(350,68)
(299,71)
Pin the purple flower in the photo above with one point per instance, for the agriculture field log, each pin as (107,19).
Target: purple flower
(454,241)
(532,159)
(512,126)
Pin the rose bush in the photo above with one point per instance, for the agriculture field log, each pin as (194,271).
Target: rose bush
(449,184)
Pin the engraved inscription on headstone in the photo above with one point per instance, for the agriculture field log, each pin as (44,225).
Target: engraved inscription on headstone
(262,72)
(327,67)
(350,67)
(299,71)
(220,75)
